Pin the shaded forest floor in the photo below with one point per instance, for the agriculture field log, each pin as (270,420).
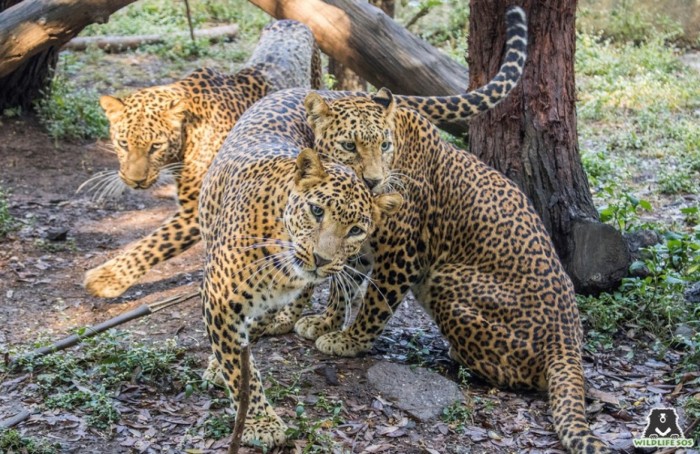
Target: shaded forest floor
(137,389)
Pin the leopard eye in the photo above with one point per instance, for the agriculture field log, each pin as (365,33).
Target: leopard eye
(123,143)
(355,231)
(348,146)
(385,146)
(155,147)
(316,210)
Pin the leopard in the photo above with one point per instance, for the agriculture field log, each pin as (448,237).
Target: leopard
(469,245)
(275,221)
(178,128)
(467,241)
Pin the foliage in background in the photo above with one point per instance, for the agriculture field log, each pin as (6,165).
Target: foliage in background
(638,129)
(11,441)
(7,221)
(70,113)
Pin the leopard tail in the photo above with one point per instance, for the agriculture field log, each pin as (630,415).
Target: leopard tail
(461,107)
(566,394)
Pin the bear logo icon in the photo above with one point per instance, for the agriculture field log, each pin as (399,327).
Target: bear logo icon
(663,423)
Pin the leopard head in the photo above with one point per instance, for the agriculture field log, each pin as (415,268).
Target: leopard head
(329,215)
(356,131)
(146,128)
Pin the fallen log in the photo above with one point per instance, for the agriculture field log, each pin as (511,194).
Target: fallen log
(377,48)
(122,43)
(32,26)
(74,339)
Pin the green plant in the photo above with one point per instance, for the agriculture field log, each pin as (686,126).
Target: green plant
(65,380)
(276,391)
(219,426)
(677,181)
(314,430)
(11,441)
(457,415)
(623,210)
(69,112)
(7,221)
(691,405)
(654,302)
(56,246)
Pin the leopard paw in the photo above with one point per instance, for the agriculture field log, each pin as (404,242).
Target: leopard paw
(269,430)
(212,374)
(313,326)
(105,282)
(339,343)
(281,324)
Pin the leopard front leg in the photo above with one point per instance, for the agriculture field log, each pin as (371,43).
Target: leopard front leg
(228,330)
(383,296)
(176,235)
(284,320)
(114,277)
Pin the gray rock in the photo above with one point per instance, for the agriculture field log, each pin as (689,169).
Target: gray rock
(420,392)
(692,293)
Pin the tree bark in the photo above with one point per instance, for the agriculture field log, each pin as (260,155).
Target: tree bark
(122,43)
(346,78)
(531,137)
(32,26)
(378,49)
(25,84)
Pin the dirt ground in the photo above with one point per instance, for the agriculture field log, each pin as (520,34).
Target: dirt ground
(41,293)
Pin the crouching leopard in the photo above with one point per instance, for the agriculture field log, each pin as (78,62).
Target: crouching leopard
(273,226)
(181,126)
(470,247)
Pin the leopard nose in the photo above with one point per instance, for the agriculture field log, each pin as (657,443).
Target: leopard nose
(372,182)
(320,261)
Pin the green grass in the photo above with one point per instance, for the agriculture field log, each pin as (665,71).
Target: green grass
(12,441)
(7,221)
(84,380)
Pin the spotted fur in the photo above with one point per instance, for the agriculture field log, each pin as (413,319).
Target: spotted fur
(186,122)
(273,229)
(470,247)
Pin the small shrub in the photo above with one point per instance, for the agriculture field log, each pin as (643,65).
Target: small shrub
(457,415)
(11,441)
(69,112)
(7,221)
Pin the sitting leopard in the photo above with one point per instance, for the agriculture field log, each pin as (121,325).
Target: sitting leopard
(273,226)
(186,122)
(473,251)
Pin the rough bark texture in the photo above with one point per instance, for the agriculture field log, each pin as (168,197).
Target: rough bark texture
(123,43)
(25,84)
(32,26)
(346,78)
(531,137)
(362,37)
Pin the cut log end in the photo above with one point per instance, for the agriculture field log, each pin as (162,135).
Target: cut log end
(600,257)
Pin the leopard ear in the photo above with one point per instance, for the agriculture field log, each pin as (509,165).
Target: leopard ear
(112,106)
(388,203)
(385,99)
(176,111)
(316,108)
(309,169)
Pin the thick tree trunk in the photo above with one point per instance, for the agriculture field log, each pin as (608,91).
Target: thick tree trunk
(31,31)
(531,137)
